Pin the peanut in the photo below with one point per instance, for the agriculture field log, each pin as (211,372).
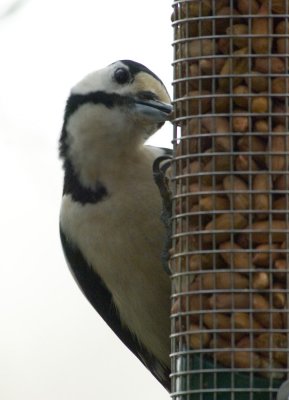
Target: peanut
(199,189)
(191,170)
(280,87)
(261,126)
(245,342)
(221,24)
(281,208)
(281,28)
(199,47)
(221,324)
(209,66)
(260,105)
(257,82)
(279,6)
(262,26)
(282,45)
(198,102)
(212,202)
(244,163)
(261,230)
(217,163)
(217,342)
(240,96)
(280,269)
(280,112)
(222,225)
(265,255)
(197,304)
(238,65)
(279,295)
(238,33)
(248,6)
(242,320)
(224,45)
(271,369)
(195,8)
(219,126)
(234,258)
(199,338)
(222,280)
(240,122)
(204,261)
(277,162)
(222,102)
(274,65)
(282,182)
(237,192)
(254,144)
(216,125)
(229,301)
(261,197)
(262,306)
(261,280)
(238,359)
(273,341)
(221,4)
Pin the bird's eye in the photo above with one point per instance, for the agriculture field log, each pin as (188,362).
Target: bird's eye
(121,75)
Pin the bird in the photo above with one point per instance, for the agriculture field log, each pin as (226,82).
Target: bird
(110,226)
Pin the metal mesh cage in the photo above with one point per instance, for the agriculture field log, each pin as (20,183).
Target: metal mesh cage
(231,202)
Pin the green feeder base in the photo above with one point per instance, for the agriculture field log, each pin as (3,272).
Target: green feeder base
(214,385)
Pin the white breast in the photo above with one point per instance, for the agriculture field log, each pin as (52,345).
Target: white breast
(122,238)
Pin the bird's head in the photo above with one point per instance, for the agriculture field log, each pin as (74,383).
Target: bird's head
(119,105)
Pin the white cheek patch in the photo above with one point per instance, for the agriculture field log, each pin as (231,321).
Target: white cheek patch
(144,82)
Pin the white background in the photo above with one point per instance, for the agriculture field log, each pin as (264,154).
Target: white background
(53,345)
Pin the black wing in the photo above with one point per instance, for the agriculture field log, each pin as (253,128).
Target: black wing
(100,298)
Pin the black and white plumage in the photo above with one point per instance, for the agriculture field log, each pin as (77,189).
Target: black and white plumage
(110,224)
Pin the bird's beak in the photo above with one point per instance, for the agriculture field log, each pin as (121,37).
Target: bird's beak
(155,110)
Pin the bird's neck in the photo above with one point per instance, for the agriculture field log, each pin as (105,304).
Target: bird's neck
(97,162)
(101,162)
(80,192)
(102,146)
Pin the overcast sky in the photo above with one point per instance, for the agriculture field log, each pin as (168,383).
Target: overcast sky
(53,345)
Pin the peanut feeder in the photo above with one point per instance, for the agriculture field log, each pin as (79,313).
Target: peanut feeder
(229,259)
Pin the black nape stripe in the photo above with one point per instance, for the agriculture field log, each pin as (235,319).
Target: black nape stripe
(78,192)
(109,100)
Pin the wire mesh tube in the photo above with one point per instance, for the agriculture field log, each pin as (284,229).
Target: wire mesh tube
(229,259)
